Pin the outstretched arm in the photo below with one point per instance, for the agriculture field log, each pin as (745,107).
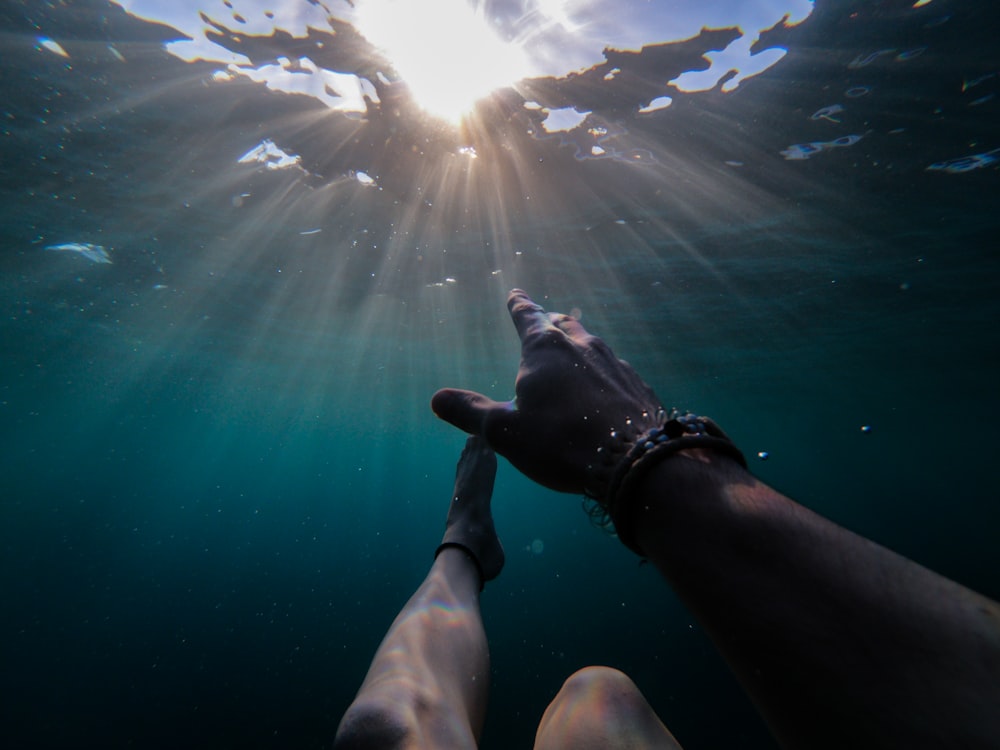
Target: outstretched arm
(839,641)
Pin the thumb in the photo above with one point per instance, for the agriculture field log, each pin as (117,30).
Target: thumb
(466,410)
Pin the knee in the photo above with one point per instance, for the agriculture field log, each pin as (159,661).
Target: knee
(371,725)
(600,707)
(604,685)
(603,677)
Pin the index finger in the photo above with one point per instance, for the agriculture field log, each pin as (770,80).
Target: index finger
(529,318)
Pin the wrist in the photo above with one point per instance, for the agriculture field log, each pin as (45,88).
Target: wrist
(629,455)
(667,495)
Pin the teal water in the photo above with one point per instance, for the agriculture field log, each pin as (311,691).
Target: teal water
(220,474)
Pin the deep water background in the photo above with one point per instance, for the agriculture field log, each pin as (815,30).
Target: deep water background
(217,494)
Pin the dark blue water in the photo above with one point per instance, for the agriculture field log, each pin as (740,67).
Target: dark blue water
(220,475)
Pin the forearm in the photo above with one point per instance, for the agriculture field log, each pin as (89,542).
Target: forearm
(833,636)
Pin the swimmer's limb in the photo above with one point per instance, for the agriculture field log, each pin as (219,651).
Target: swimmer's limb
(599,708)
(571,393)
(428,683)
(839,641)
(469,526)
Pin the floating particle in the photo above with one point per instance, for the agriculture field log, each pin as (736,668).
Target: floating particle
(856,92)
(844,140)
(364,178)
(981,100)
(910,54)
(307,232)
(763,455)
(800,151)
(966,163)
(270,155)
(862,61)
(866,428)
(969,83)
(52,46)
(93,253)
(536,547)
(638,156)
(827,113)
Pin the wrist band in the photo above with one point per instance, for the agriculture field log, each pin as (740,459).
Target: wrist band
(679,432)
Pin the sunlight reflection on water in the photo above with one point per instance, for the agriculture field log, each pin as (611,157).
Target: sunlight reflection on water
(451,54)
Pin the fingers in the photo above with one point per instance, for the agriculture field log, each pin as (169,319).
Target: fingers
(529,318)
(466,410)
(572,327)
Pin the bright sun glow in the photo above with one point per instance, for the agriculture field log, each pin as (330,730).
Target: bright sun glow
(446,53)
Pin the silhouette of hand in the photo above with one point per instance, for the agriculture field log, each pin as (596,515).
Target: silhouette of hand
(576,409)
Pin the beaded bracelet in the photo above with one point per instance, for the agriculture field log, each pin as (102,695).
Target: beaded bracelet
(679,432)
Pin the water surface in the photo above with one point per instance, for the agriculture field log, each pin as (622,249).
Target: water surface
(221,478)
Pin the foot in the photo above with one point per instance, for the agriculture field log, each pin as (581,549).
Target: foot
(470,522)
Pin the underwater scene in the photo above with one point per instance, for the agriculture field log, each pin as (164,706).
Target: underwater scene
(243,242)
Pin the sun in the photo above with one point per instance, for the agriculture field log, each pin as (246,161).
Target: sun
(446,52)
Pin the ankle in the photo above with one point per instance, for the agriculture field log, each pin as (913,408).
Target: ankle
(461,565)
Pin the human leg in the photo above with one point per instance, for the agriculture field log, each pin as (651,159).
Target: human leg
(428,683)
(600,708)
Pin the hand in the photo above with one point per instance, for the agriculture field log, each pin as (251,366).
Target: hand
(577,406)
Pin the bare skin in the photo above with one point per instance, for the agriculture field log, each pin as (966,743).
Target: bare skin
(428,683)
(599,708)
(839,642)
